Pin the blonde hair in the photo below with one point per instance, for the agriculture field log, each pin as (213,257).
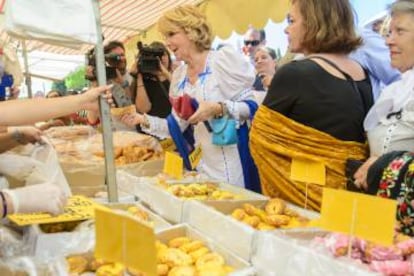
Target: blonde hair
(189,19)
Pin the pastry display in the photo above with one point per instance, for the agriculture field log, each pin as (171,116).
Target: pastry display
(201,191)
(274,215)
(387,260)
(186,256)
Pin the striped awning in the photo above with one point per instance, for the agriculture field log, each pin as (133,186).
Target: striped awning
(120,20)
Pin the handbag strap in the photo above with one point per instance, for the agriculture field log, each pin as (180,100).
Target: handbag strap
(253,106)
(349,79)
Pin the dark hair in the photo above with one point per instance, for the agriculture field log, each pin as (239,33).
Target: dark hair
(328,26)
(112,45)
(262,34)
(270,51)
(157,44)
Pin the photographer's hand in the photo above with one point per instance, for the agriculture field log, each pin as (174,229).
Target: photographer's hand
(164,71)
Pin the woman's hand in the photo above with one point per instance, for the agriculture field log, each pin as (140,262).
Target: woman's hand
(89,99)
(27,134)
(206,110)
(132,119)
(360,175)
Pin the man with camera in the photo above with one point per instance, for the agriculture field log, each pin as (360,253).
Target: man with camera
(152,75)
(116,73)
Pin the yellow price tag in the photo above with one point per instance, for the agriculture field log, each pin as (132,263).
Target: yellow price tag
(168,144)
(78,208)
(358,215)
(121,238)
(173,165)
(195,157)
(308,171)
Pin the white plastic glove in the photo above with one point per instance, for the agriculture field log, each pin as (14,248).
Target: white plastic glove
(45,197)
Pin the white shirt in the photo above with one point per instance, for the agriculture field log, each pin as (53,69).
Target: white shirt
(227,78)
(389,133)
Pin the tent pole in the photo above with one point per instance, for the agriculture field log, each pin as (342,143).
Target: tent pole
(28,78)
(110,177)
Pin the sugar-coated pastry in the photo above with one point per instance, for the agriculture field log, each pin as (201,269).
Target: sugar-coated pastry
(210,260)
(394,267)
(238,214)
(183,271)
(198,253)
(175,257)
(111,270)
(275,206)
(162,269)
(191,246)
(77,264)
(277,220)
(177,242)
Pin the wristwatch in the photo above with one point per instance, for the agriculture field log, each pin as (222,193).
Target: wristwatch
(17,136)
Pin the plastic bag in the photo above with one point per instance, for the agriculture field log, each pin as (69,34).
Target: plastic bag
(34,164)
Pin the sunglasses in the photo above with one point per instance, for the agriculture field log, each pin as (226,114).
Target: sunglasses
(251,42)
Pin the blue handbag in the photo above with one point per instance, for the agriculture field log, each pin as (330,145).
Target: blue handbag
(224,131)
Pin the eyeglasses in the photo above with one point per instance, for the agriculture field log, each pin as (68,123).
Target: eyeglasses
(251,42)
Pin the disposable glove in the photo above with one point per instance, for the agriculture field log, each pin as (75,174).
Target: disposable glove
(45,197)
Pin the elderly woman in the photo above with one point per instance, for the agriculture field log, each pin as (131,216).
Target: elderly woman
(389,172)
(315,107)
(265,64)
(219,80)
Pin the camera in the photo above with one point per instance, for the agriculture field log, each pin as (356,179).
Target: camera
(110,70)
(149,58)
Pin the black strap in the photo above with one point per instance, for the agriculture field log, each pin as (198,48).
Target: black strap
(349,79)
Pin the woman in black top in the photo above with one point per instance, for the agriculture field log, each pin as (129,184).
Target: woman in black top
(307,93)
(314,109)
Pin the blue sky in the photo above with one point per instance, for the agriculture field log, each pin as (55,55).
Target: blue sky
(366,9)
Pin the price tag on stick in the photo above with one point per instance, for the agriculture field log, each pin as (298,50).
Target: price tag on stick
(123,239)
(364,216)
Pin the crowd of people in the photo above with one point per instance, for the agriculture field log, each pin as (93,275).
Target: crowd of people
(340,94)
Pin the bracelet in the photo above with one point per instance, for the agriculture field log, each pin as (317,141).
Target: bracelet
(3,198)
(145,123)
(140,85)
(223,110)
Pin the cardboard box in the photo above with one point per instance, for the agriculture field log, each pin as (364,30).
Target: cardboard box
(241,266)
(171,207)
(159,223)
(231,233)
(47,245)
(90,180)
(291,254)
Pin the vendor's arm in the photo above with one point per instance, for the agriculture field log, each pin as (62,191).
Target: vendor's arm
(36,110)
(16,136)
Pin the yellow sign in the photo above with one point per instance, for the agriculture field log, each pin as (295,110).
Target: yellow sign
(195,157)
(77,208)
(168,144)
(365,216)
(173,165)
(308,171)
(123,239)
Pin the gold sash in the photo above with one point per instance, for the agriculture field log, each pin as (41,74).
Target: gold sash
(275,140)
